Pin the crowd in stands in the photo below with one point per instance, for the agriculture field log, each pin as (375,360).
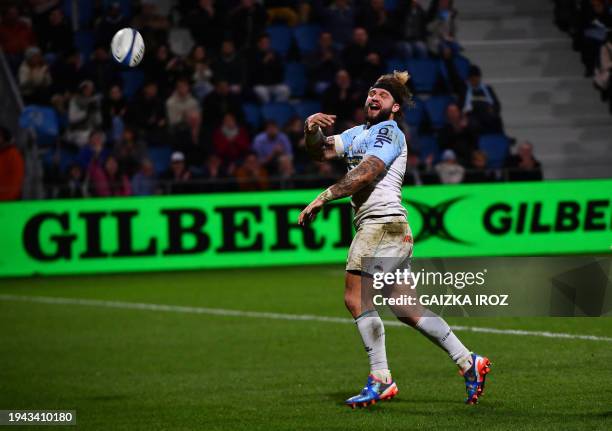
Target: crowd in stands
(219,100)
(589,23)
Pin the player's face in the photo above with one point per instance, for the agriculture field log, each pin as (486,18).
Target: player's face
(379,106)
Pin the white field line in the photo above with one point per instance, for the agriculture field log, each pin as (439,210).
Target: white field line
(276,316)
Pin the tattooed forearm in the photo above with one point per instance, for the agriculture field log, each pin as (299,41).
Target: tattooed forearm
(355,180)
(315,142)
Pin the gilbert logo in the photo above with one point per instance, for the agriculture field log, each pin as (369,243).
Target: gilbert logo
(433,220)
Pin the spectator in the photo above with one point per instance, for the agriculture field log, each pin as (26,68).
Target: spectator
(177,179)
(286,173)
(480,103)
(192,139)
(130,151)
(442,27)
(12,167)
(282,11)
(84,114)
(251,175)
(220,102)
(230,140)
(102,70)
(597,21)
(342,97)
(270,144)
(110,23)
(144,182)
(267,73)
(114,107)
(413,25)
(201,72)
(16,36)
(56,35)
(180,102)
(323,63)
(602,72)
(448,170)
(339,20)
(214,175)
(161,68)
(34,77)
(478,172)
(206,23)
(295,132)
(247,21)
(74,185)
(523,166)
(457,135)
(109,180)
(95,151)
(362,61)
(230,67)
(151,24)
(380,26)
(67,73)
(147,112)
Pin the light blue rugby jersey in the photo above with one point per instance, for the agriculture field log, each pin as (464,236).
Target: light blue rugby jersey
(382,198)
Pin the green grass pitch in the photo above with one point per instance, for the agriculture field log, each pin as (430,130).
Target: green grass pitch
(127,369)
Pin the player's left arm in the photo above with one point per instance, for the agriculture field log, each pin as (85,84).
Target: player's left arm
(363,174)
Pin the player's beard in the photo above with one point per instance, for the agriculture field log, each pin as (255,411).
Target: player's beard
(382,115)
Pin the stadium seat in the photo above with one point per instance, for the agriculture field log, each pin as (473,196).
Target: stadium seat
(295,78)
(307,37)
(391,5)
(424,73)
(281,112)
(84,42)
(160,156)
(395,64)
(305,108)
(252,115)
(280,38)
(132,82)
(85,10)
(416,113)
(462,64)
(66,158)
(43,121)
(496,148)
(428,145)
(436,108)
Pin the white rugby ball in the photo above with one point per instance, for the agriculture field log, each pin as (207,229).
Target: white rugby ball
(127,47)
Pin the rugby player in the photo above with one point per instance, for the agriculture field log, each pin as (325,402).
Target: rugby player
(376,155)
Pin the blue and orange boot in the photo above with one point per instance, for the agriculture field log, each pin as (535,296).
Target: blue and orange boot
(375,390)
(475,377)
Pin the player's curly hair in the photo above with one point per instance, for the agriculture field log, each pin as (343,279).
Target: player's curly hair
(395,84)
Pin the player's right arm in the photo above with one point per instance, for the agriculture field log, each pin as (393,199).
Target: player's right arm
(319,146)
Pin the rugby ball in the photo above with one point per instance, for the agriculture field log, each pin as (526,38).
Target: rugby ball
(127,47)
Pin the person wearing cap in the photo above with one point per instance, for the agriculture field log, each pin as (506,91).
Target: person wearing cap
(176,180)
(376,154)
(34,77)
(449,170)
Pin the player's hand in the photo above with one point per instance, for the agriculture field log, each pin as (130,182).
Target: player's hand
(319,120)
(310,212)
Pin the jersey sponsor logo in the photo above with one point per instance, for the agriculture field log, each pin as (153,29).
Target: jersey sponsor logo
(383,136)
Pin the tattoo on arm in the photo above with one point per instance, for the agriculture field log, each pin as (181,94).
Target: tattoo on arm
(315,143)
(355,180)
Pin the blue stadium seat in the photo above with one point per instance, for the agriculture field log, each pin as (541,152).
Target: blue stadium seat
(280,38)
(462,64)
(436,108)
(496,147)
(295,78)
(281,112)
(133,80)
(307,37)
(160,156)
(305,108)
(252,115)
(427,145)
(85,11)
(424,73)
(84,42)
(66,158)
(416,113)
(44,122)
(395,64)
